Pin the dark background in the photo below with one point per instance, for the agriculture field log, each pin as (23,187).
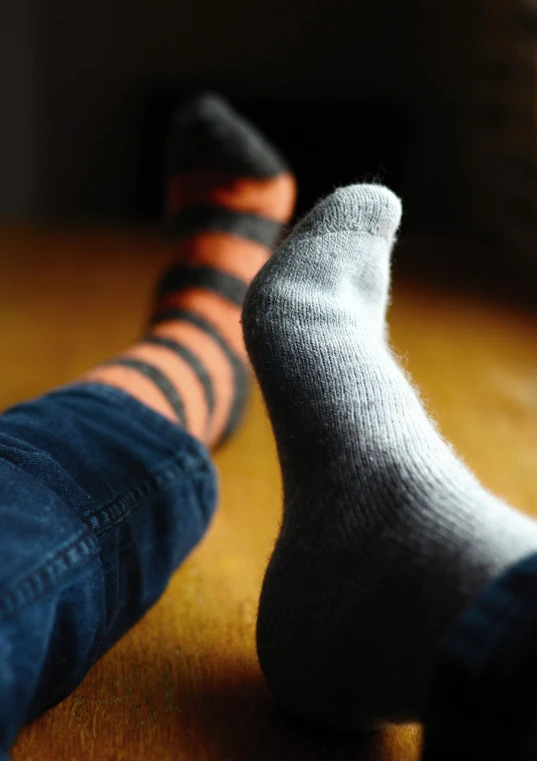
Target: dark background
(350,90)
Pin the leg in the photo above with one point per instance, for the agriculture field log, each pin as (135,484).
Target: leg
(386,535)
(482,702)
(107,484)
(229,196)
(101,500)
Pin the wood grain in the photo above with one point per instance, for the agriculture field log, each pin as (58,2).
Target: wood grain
(185,684)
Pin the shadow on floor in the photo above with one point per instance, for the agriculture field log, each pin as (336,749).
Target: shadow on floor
(239,720)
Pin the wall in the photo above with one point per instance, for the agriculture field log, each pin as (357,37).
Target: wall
(18,125)
(79,69)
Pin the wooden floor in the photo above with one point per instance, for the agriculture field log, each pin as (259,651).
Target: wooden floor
(184,685)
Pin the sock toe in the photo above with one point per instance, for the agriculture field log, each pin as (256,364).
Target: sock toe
(338,256)
(358,208)
(208,132)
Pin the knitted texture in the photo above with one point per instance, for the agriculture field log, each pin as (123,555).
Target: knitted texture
(386,535)
(229,195)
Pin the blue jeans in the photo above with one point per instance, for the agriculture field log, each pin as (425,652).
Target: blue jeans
(101,499)
(483,700)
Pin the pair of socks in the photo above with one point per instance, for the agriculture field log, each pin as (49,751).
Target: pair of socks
(386,535)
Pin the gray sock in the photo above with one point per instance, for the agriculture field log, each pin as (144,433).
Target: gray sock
(386,535)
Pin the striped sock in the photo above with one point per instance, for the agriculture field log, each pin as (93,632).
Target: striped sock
(229,195)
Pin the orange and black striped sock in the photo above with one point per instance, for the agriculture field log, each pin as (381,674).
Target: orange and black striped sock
(229,194)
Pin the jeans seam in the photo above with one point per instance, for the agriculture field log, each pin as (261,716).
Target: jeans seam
(75,553)
(84,544)
(102,519)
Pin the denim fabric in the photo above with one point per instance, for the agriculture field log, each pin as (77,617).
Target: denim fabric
(100,500)
(483,702)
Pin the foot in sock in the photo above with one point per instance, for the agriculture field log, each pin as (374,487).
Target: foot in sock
(386,535)
(229,194)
